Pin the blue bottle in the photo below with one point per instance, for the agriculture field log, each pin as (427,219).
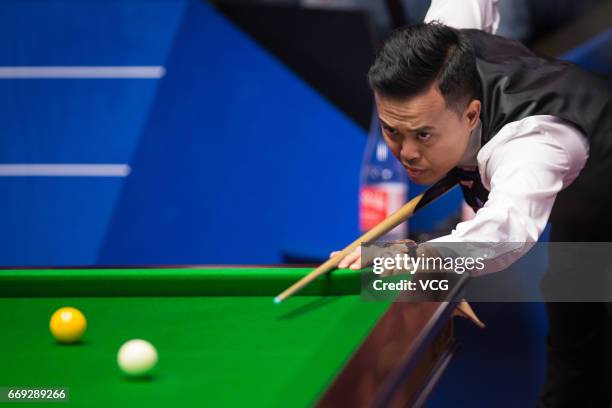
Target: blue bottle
(384,185)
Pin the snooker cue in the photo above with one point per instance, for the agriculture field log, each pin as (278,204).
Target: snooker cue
(392,221)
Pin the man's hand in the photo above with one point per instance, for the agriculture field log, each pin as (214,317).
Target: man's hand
(351,261)
(465,310)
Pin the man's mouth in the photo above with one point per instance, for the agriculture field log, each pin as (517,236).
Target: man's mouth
(414,171)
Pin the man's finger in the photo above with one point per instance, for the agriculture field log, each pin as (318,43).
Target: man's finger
(354,260)
(465,310)
(350,258)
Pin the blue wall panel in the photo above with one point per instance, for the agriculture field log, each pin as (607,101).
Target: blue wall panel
(72,120)
(594,55)
(240,159)
(88,32)
(62,220)
(48,221)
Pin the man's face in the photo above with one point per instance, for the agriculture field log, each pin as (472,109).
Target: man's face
(426,136)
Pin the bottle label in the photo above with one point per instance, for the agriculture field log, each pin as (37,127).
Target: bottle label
(377,202)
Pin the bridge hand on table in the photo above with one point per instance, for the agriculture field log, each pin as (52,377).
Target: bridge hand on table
(353,261)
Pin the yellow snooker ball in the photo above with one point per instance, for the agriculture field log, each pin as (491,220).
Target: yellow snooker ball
(67,325)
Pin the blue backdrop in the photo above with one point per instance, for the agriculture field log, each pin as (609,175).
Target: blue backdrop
(234,159)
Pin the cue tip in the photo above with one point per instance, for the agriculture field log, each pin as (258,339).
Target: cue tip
(277,300)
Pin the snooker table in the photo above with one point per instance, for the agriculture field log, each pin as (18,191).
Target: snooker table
(221,340)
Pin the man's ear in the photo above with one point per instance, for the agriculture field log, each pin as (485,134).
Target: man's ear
(473,113)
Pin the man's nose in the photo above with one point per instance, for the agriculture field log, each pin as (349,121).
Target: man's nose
(410,151)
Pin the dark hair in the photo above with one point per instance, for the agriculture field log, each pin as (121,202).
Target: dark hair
(412,58)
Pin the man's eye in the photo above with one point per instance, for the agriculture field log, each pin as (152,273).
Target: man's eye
(390,131)
(423,135)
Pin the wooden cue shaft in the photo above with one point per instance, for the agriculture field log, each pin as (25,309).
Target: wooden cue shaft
(378,231)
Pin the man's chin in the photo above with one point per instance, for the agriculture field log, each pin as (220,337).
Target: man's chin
(424,179)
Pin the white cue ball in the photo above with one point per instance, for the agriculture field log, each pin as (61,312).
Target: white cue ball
(137,357)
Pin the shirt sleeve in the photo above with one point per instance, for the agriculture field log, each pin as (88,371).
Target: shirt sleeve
(478,14)
(524,167)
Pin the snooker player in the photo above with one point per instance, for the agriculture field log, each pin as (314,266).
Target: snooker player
(530,140)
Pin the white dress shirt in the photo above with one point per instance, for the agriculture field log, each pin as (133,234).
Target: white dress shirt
(478,14)
(524,166)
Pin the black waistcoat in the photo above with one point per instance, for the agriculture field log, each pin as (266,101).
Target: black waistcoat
(516,84)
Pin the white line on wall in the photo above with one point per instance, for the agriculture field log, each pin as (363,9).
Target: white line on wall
(64,170)
(82,72)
